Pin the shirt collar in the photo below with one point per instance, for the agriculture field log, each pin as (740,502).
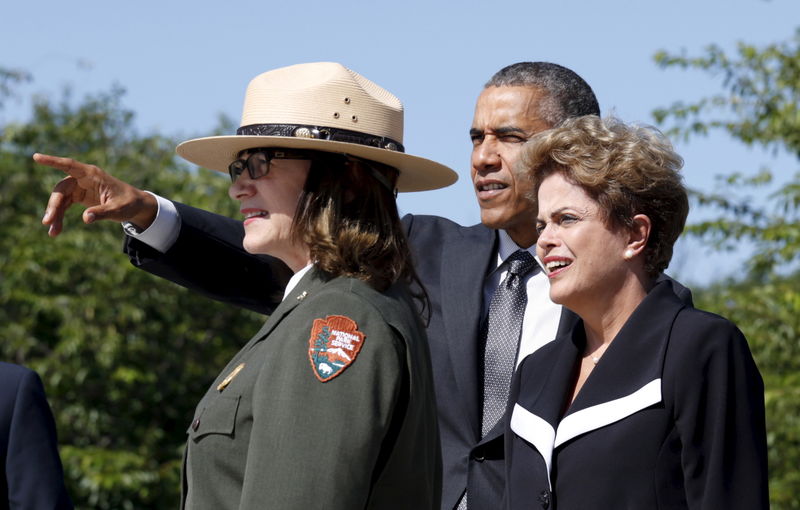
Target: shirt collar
(295,279)
(507,246)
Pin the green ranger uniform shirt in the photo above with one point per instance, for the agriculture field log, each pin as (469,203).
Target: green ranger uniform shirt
(330,405)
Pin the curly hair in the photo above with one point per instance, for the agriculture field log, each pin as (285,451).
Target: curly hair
(626,169)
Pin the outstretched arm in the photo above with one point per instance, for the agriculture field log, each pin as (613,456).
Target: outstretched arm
(207,256)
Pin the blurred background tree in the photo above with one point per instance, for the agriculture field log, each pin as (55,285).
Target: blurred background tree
(760,106)
(124,356)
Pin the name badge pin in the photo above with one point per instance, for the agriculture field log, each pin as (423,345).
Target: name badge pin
(225,382)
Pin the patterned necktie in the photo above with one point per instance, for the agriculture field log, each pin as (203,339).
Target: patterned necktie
(503,327)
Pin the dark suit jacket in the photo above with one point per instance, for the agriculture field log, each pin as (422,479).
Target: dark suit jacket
(289,432)
(451,261)
(671,417)
(32,476)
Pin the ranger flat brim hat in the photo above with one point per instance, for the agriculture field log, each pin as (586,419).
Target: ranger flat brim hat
(327,107)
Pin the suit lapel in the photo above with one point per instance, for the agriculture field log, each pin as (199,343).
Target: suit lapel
(467,259)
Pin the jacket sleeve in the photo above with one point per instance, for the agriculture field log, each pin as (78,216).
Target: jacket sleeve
(33,467)
(325,440)
(719,413)
(208,258)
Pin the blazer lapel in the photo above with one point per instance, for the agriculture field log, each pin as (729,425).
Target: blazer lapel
(567,321)
(467,259)
(605,413)
(536,413)
(628,377)
(626,380)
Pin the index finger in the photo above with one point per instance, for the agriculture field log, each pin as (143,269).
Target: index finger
(74,168)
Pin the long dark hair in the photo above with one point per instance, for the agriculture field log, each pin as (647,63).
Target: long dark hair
(347,216)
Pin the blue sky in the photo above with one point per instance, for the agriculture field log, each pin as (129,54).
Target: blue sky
(183,63)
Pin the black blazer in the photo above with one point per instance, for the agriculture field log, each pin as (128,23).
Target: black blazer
(671,417)
(32,476)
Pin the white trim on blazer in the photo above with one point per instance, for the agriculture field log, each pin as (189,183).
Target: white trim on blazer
(545,438)
(536,431)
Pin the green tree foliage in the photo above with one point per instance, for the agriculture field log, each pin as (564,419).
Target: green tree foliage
(759,106)
(124,356)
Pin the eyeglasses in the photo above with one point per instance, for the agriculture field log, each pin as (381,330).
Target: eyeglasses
(258,163)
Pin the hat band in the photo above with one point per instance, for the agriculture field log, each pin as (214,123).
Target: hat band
(320,133)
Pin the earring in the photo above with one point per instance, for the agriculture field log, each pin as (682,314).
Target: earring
(628,254)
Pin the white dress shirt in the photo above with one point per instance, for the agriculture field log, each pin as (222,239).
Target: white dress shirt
(540,323)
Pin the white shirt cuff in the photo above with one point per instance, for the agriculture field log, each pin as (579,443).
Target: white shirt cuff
(164,230)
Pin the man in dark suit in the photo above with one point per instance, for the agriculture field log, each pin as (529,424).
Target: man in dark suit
(460,267)
(32,476)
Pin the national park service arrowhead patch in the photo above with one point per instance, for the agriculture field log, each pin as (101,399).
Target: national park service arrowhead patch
(334,344)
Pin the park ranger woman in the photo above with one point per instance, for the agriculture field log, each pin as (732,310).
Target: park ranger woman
(331,404)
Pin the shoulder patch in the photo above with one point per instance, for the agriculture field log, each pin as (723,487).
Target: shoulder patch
(333,346)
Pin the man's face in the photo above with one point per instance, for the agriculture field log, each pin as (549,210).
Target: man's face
(505,118)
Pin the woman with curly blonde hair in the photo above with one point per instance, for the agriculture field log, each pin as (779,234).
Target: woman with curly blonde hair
(647,402)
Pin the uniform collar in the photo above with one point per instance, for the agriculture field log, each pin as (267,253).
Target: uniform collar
(295,279)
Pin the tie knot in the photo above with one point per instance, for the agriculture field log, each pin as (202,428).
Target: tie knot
(520,262)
